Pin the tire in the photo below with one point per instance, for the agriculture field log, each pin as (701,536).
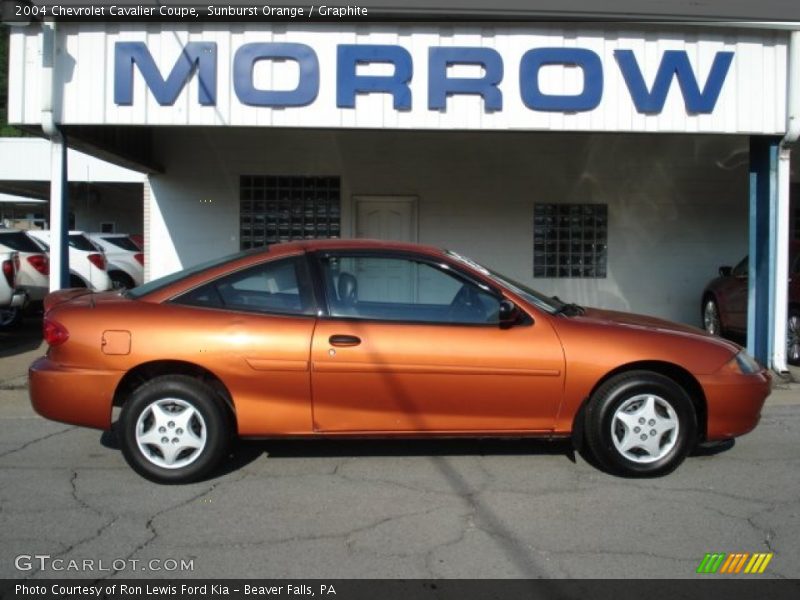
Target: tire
(793,336)
(10,318)
(712,322)
(656,405)
(120,280)
(148,428)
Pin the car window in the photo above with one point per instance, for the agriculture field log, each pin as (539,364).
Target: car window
(122,242)
(19,241)
(81,242)
(741,269)
(162,282)
(402,289)
(280,286)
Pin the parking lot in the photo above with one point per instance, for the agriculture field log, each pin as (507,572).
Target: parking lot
(384,509)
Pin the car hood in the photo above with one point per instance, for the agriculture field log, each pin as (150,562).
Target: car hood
(630,320)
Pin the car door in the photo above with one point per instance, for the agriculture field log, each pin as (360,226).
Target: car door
(410,345)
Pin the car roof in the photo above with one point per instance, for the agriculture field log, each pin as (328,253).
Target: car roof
(354,244)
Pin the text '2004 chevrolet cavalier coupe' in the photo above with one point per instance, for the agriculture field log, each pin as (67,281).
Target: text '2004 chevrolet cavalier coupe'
(376,339)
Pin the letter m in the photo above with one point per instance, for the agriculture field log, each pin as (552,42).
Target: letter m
(673,63)
(195,56)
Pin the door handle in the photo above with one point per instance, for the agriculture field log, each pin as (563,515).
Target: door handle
(344,340)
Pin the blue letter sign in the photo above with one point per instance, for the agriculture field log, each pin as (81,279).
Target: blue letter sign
(351,83)
(440,86)
(674,62)
(535,99)
(196,56)
(249,54)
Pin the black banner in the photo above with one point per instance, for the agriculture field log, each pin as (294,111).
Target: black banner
(734,588)
(21,11)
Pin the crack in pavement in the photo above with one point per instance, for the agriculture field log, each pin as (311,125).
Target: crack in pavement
(37,440)
(98,532)
(151,527)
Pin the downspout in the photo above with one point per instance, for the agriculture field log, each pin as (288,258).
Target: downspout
(781,296)
(59,257)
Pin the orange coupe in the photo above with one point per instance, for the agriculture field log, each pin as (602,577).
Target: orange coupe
(365,338)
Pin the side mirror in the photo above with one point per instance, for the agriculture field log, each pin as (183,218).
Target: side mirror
(725,271)
(509,314)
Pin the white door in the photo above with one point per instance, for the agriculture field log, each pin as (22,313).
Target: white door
(386,218)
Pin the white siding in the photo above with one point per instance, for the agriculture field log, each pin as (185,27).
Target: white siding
(677,204)
(752,100)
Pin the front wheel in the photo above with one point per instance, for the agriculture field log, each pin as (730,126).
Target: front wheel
(174,429)
(640,424)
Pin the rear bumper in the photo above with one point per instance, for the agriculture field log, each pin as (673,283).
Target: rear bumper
(19,299)
(70,395)
(734,403)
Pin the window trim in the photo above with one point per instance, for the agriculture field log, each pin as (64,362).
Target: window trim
(324,311)
(305,273)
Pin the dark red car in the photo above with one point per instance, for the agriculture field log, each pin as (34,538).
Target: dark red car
(724,307)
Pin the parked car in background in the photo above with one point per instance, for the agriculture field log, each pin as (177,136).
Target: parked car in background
(87,263)
(138,239)
(125,259)
(724,304)
(358,338)
(33,274)
(11,296)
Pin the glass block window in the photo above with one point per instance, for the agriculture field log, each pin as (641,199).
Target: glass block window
(570,240)
(275,209)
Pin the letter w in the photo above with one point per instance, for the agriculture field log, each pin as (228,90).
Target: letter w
(674,62)
(196,56)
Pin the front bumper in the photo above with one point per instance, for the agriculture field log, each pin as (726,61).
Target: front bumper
(734,402)
(72,395)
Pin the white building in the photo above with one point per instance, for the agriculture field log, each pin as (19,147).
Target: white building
(615,165)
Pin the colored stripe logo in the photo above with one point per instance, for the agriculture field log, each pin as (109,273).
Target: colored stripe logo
(734,563)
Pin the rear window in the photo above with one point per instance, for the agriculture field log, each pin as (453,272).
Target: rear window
(122,242)
(163,282)
(19,241)
(81,242)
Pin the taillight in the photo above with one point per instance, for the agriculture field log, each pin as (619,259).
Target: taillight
(139,256)
(40,262)
(54,332)
(98,261)
(8,271)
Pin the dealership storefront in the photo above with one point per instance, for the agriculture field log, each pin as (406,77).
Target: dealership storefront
(612,165)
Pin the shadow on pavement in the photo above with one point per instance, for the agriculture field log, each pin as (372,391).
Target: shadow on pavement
(24,338)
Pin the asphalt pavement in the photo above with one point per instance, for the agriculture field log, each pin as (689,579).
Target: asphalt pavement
(385,509)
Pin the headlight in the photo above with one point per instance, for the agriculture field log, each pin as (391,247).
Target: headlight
(746,363)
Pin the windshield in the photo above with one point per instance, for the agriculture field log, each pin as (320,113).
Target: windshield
(546,303)
(163,282)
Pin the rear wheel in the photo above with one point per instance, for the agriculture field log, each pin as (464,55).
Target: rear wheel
(174,429)
(10,318)
(640,424)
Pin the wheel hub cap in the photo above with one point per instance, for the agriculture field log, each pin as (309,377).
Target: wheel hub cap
(644,428)
(171,433)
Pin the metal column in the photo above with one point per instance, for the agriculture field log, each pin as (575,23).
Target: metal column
(763,247)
